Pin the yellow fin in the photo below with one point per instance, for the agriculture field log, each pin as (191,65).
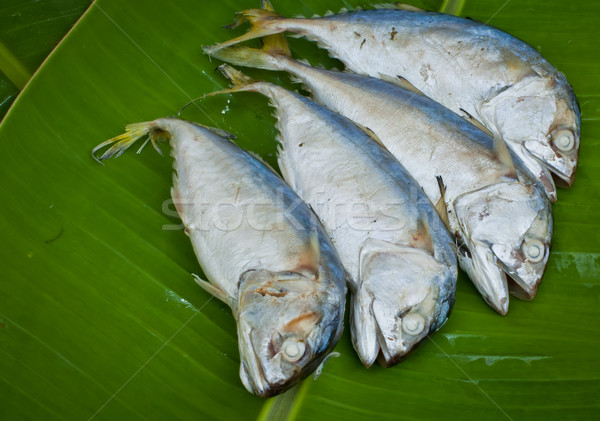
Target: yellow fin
(440,206)
(263,23)
(266,5)
(133,132)
(371,134)
(276,44)
(235,76)
(241,82)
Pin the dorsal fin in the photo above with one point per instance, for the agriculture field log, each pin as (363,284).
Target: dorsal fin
(398,6)
(476,20)
(402,82)
(370,133)
(467,116)
(440,206)
(262,161)
(217,131)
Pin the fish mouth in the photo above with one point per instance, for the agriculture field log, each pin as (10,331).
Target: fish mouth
(507,229)
(564,169)
(480,264)
(558,153)
(414,324)
(526,263)
(390,353)
(537,168)
(272,379)
(251,370)
(524,279)
(392,334)
(402,294)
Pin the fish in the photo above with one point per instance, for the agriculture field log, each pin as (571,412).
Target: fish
(399,256)
(498,213)
(262,249)
(472,68)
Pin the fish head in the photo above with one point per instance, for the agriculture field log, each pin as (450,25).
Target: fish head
(402,295)
(507,228)
(539,116)
(287,322)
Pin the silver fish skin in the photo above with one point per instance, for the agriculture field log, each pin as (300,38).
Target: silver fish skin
(261,248)
(398,253)
(505,223)
(467,66)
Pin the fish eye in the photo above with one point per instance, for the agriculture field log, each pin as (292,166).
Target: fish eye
(534,250)
(413,324)
(564,140)
(293,349)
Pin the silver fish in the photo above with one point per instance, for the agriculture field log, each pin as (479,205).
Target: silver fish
(469,67)
(503,220)
(398,253)
(262,249)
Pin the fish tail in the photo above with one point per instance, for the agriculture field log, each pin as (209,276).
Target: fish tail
(264,22)
(246,56)
(240,81)
(275,48)
(133,132)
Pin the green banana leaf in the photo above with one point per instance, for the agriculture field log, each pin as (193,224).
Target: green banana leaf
(100,318)
(28,32)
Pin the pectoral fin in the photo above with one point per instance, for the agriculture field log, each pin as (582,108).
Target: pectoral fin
(215,291)
(503,154)
(310,260)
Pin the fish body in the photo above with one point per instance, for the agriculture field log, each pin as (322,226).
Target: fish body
(469,67)
(496,210)
(398,253)
(261,248)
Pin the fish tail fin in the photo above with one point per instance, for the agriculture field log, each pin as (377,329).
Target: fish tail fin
(240,81)
(264,22)
(133,132)
(249,57)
